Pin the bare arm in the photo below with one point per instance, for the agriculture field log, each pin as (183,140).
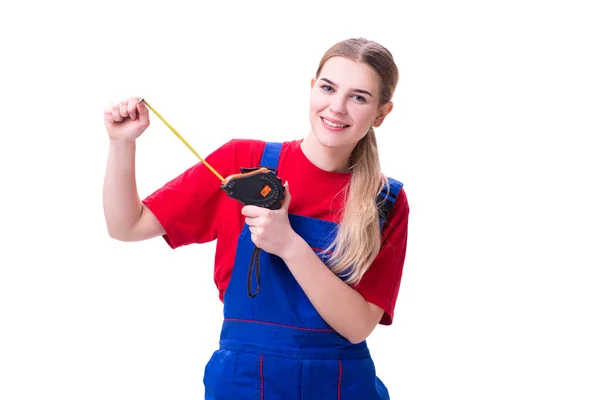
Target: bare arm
(342,307)
(127,219)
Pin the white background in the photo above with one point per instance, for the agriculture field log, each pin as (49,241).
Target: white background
(494,134)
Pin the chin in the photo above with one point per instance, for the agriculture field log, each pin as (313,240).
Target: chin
(336,139)
(328,139)
(332,142)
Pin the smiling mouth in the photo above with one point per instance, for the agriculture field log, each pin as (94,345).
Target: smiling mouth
(333,124)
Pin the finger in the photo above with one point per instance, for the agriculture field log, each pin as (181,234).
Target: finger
(132,108)
(255,230)
(287,197)
(251,221)
(123,109)
(253,211)
(116,113)
(142,111)
(108,116)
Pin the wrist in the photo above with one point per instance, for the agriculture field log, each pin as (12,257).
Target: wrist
(121,142)
(296,247)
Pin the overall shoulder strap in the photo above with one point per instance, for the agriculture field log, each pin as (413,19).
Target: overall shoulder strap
(387,198)
(270,156)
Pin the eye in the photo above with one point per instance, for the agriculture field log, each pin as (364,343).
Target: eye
(327,88)
(359,98)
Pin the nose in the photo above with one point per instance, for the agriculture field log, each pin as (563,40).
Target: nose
(338,105)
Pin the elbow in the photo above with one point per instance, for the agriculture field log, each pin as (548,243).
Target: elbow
(120,235)
(115,235)
(359,335)
(356,340)
(363,329)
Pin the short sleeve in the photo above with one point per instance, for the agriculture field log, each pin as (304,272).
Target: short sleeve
(187,206)
(381,283)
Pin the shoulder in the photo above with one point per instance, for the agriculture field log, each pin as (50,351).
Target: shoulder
(394,204)
(251,150)
(395,186)
(236,153)
(237,145)
(254,146)
(393,192)
(244,153)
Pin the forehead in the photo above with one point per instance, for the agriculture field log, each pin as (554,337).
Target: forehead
(350,74)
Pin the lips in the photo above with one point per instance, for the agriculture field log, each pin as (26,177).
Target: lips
(334,123)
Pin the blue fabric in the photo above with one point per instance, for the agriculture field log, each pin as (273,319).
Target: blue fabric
(270,157)
(276,345)
(389,197)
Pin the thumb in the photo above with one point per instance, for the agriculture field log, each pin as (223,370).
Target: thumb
(143,111)
(287,197)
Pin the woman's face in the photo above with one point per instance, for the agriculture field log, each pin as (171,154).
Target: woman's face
(344,103)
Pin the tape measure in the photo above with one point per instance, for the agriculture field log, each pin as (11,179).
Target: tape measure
(252,186)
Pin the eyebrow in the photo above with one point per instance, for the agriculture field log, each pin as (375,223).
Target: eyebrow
(355,90)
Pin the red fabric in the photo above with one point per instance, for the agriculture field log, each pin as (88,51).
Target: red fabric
(193,209)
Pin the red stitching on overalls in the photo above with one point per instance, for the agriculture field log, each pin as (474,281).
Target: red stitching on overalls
(283,326)
(262,381)
(322,250)
(340,382)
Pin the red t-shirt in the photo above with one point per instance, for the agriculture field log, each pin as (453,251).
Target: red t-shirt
(193,209)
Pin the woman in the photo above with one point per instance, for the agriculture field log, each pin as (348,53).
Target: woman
(332,255)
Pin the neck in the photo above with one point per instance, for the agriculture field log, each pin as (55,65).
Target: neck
(326,158)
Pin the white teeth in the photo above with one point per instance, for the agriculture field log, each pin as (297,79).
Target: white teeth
(333,125)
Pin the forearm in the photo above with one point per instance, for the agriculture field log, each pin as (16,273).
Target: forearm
(122,205)
(342,307)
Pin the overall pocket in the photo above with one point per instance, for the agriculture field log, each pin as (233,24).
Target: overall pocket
(232,375)
(359,381)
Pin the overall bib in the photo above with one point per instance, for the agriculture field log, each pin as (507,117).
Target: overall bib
(275,346)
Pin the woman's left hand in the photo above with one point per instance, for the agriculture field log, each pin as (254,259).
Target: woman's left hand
(271,230)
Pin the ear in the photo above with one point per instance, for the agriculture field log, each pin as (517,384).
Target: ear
(312,82)
(383,112)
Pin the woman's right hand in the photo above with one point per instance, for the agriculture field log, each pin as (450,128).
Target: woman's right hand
(127,119)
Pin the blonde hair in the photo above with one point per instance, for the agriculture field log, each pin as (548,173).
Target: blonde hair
(358,238)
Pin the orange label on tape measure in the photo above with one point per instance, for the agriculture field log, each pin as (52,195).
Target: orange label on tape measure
(265,191)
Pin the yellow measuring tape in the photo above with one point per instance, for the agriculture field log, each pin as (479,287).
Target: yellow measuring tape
(182,139)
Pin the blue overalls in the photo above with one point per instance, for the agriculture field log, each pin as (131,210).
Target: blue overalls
(275,346)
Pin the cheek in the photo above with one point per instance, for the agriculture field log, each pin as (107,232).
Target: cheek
(317,103)
(363,116)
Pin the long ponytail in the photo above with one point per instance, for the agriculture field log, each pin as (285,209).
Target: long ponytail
(358,238)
